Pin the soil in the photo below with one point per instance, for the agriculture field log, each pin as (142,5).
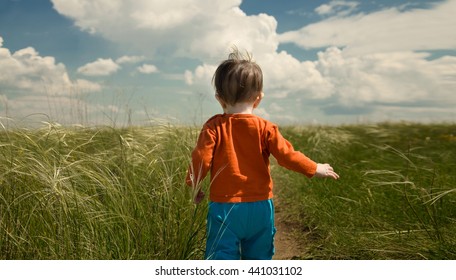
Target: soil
(287,245)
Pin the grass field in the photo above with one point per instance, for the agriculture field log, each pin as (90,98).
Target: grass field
(97,193)
(119,193)
(396,198)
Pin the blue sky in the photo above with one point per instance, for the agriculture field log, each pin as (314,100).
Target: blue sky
(325,62)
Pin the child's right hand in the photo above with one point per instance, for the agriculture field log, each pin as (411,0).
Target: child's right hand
(199,197)
(326,171)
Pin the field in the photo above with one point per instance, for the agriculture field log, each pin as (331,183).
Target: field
(396,198)
(119,193)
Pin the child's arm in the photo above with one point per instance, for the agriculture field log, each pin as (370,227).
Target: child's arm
(287,157)
(201,162)
(197,193)
(294,160)
(325,171)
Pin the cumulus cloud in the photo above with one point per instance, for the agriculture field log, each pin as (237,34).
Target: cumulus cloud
(283,75)
(202,30)
(100,67)
(363,84)
(381,31)
(345,85)
(129,59)
(147,69)
(25,70)
(202,75)
(32,84)
(341,8)
(86,86)
(205,32)
(370,61)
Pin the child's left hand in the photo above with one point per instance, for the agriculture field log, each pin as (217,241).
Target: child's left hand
(199,197)
(326,171)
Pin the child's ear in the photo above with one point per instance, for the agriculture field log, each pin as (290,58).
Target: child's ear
(258,100)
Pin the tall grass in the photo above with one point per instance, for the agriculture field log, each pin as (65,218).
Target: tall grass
(396,198)
(97,193)
(119,193)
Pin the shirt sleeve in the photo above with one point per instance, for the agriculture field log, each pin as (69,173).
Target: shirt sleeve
(201,157)
(287,157)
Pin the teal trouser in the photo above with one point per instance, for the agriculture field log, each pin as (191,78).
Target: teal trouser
(240,231)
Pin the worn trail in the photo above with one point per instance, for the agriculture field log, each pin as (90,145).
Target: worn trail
(287,246)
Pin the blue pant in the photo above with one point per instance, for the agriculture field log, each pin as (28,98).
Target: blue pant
(240,231)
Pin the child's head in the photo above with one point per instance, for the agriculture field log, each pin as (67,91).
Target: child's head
(238,79)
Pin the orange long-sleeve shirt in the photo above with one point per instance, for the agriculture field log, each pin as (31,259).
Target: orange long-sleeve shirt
(235,148)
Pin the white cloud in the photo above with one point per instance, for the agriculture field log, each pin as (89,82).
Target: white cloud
(100,67)
(164,15)
(341,8)
(26,71)
(147,69)
(370,62)
(188,77)
(130,59)
(342,84)
(202,75)
(201,30)
(86,86)
(382,31)
(283,75)
(33,85)
(390,78)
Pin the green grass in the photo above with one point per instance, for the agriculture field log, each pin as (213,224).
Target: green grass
(119,193)
(97,193)
(396,198)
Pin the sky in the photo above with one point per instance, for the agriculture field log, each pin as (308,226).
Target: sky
(121,62)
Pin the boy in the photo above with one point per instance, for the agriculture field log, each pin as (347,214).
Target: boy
(235,148)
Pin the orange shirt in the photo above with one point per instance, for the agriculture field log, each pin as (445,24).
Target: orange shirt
(236,148)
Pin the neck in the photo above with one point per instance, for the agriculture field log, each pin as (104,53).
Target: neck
(239,108)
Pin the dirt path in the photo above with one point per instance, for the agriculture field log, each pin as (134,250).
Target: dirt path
(287,247)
